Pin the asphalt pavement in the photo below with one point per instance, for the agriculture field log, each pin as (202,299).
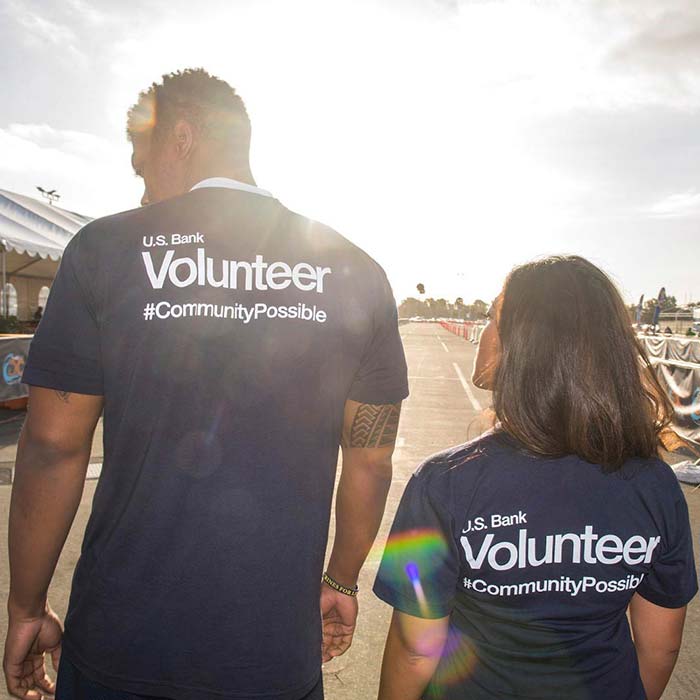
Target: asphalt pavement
(444,409)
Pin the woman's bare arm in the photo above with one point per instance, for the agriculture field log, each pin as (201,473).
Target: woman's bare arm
(412,653)
(657,633)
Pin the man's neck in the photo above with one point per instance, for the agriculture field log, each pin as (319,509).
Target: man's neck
(238,174)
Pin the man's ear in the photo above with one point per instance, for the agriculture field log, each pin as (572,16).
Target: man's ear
(184,139)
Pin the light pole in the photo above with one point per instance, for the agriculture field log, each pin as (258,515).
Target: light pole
(51,195)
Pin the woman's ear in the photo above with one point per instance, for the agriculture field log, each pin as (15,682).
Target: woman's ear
(488,355)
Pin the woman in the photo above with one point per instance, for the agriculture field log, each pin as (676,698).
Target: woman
(513,559)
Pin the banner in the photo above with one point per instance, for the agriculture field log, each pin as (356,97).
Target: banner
(640,308)
(681,349)
(683,387)
(659,305)
(13,355)
(684,350)
(677,365)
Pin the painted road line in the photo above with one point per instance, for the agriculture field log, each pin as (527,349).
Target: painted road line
(7,472)
(411,377)
(467,389)
(94,470)
(444,347)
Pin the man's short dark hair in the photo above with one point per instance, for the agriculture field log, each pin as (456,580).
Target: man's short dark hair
(206,102)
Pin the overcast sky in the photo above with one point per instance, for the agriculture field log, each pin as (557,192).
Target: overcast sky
(452,139)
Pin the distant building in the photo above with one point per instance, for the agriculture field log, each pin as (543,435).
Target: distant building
(679,320)
(33,236)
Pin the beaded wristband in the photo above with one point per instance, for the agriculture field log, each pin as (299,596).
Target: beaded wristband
(339,586)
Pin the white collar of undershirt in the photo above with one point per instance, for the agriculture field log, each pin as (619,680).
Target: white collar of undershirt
(230,184)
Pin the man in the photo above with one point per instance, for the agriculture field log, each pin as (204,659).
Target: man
(233,345)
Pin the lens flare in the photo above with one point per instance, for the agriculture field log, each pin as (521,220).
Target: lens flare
(409,560)
(413,573)
(414,577)
(457,662)
(142,116)
(416,546)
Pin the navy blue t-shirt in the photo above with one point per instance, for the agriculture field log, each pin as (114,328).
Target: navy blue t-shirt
(535,561)
(225,333)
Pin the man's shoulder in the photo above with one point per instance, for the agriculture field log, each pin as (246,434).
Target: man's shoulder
(327,240)
(110,233)
(107,231)
(123,220)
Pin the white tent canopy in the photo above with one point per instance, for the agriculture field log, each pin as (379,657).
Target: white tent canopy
(31,227)
(33,236)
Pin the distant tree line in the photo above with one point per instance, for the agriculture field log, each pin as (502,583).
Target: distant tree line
(649,306)
(441,308)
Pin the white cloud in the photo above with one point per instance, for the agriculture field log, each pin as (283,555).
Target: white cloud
(87,12)
(466,135)
(89,172)
(681,204)
(660,50)
(51,38)
(42,30)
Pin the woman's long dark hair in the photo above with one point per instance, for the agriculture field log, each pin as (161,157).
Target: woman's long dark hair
(573,378)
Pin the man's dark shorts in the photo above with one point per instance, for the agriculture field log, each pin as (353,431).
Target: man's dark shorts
(71,684)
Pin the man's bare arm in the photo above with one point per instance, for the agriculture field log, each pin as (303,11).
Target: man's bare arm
(52,457)
(369,436)
(370,426)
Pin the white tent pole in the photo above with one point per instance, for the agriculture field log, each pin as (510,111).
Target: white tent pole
(4,282)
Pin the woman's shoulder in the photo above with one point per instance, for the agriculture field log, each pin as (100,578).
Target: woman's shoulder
(449,463)
(651,472)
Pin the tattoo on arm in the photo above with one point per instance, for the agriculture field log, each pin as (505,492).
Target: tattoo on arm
(63,395)
(373,426)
